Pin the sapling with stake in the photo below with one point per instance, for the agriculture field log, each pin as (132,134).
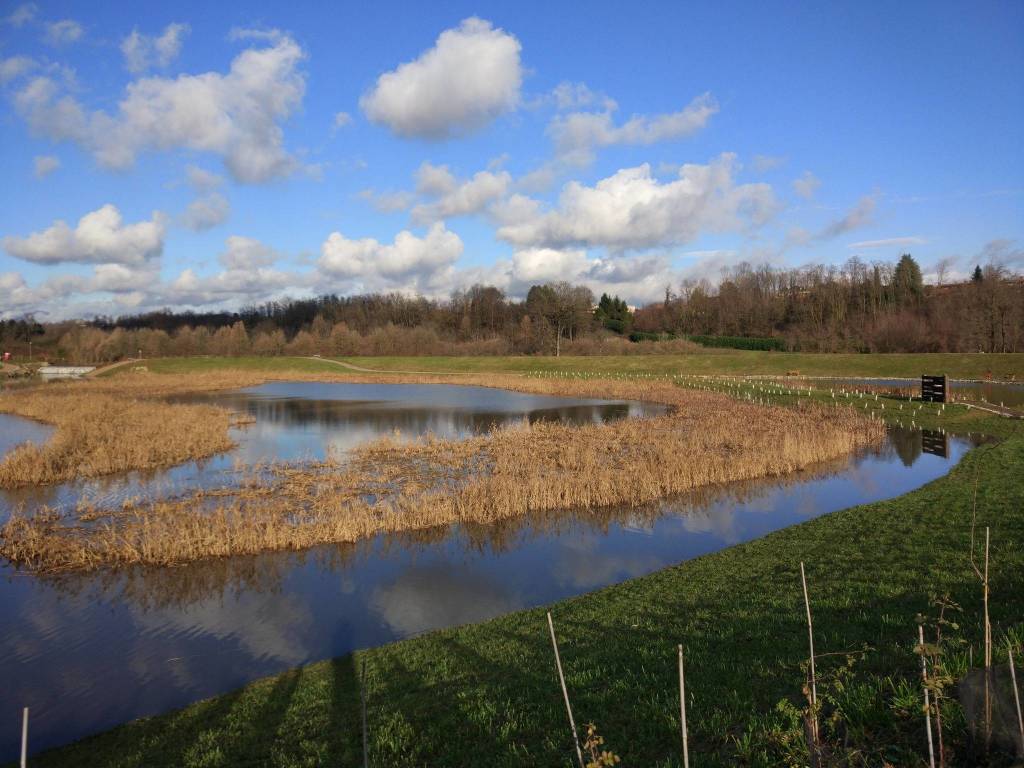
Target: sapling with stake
(813,694)
(565,692)
(983,576)
(939,677)
(927,706)
(682,710)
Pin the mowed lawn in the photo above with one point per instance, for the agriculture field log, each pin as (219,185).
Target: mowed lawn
(731,362)
(205,364)
(707,362)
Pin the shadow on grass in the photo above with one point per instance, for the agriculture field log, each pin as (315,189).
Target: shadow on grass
(345,729)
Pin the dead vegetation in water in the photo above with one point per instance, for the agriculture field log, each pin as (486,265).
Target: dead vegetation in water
(155,588)
(392,486)
(118,424)
(101,433)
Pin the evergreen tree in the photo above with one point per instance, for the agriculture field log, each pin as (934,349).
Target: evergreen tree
(613,314)
(907,283)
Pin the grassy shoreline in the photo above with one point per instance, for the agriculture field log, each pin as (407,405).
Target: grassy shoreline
(487,693)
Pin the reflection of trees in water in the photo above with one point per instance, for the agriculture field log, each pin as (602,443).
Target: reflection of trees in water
(112,490)
(149,588)
(701,502)
(905,443)
(387,416)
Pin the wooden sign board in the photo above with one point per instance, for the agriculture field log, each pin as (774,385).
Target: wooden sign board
(935,389)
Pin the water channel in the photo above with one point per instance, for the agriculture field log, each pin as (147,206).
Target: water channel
(89,651)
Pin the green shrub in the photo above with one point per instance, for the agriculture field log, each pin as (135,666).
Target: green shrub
(740,342)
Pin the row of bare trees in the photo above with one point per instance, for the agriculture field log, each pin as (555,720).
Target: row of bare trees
(853,307)
(880,307)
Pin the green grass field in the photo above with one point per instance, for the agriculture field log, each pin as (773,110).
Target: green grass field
(721,361)
(206,364)
(709,362)
(487,694)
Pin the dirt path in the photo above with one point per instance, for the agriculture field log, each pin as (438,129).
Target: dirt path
(360,369)
(103,369)
(999,410)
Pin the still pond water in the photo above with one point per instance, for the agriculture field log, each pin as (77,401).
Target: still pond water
(87,652)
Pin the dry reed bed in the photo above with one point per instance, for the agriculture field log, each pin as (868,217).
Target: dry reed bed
(101,433)
(149,588)
(119,424)
(392,486)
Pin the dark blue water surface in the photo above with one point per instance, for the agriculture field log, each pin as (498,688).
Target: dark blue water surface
(86,652)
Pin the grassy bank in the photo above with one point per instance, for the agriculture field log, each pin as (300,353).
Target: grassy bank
(727,361)
(487,694)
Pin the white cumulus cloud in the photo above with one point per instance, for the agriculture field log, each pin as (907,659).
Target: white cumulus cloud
(434,179)
(409,263)
(633,209)
(206,212)
(467,197)
(247,253)
(546,265)
(236,115)
(577,134)
(470,76)
(100,237)
(63,31)
(14,67)
(568,95)
(142,52)
(202,180)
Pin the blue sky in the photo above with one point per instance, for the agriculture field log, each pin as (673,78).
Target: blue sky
(202,155)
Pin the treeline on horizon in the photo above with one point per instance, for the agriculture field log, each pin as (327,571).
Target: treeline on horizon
(856,307)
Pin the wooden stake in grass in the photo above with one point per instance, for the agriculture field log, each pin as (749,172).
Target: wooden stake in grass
(24,737)
(927,705)
(565,692)
(814,681)
(1016,694)
(988,650)
(682,710)
(983,576)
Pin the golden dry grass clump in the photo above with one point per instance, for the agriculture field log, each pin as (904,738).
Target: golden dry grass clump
(102,430)
(391,486)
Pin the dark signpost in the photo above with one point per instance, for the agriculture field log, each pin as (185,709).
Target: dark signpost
(935,389)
